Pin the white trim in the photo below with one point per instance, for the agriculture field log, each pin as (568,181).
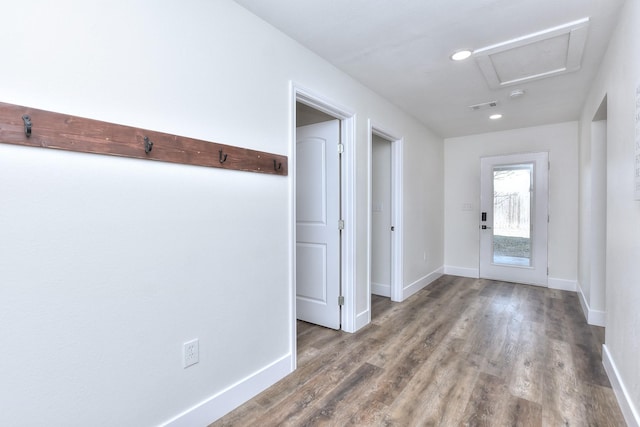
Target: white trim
(630,413)
(583,303)
(370,285)
(293,330)
(363,319)
(348,139)
(347,120)
(593,317)
(452,270)
(397,182)
(597,318)
(381,289)
(421,283)
(562,284)
(230,398)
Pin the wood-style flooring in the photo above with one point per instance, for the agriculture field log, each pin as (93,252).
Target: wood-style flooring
(461,352)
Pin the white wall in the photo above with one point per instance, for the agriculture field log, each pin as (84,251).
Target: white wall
(462,187)
(108,265)
(618,79)
(423,219)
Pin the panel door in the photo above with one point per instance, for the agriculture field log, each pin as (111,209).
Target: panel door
(317,223)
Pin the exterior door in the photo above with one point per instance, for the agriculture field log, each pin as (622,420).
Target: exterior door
(513,219)
(317,223)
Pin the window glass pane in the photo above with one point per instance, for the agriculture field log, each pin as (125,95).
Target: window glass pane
(512,191)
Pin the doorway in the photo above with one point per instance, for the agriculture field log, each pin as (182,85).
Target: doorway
(318,216)
(514,217)
(382,226)
(385,215)
(311,111)
(594,222)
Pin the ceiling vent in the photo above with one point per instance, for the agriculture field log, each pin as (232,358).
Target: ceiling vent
(483,106)
(547,53)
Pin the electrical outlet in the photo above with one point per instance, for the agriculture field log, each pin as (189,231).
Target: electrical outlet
(191,353)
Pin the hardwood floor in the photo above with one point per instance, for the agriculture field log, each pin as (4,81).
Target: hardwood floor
(461,352)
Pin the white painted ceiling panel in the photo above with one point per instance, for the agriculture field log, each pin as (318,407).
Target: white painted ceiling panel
(401,48)
(532,59)
(541,55)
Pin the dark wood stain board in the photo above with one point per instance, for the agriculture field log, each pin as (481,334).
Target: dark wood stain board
(71,133)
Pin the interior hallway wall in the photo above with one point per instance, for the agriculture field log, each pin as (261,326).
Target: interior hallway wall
(592,222)
(619,80)
(108,265)
(462,195)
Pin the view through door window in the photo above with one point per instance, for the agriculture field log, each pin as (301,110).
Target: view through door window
(512,191)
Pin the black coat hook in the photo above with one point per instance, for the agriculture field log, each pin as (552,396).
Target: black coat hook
(27,125)
(222,158)
(148,145)
(277,166)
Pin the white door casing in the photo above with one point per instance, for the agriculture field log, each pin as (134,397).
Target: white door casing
(317,224)
(530,268)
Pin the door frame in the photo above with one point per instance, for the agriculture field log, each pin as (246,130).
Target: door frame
(298,93)
(539,217)
(396,291)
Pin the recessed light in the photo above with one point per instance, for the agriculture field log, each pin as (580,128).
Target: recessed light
(461,55)
(495,116)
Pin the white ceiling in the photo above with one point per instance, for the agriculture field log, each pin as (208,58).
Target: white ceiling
(401,49)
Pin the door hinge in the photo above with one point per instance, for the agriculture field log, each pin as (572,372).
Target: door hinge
(340,300)
(341,224)
(340,148)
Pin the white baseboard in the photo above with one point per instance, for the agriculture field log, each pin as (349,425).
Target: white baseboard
(380,289)
(593,317)
(362,319)
(473,273)
(562,284)
(225,401)
(630,413)
(421,283)
(597,318)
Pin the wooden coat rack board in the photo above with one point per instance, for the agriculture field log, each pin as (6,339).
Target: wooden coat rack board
(38,128)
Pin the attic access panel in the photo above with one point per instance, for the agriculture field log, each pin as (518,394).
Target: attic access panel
(547,53)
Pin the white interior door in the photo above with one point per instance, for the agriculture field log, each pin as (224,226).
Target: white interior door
(514,216)
(317,223)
